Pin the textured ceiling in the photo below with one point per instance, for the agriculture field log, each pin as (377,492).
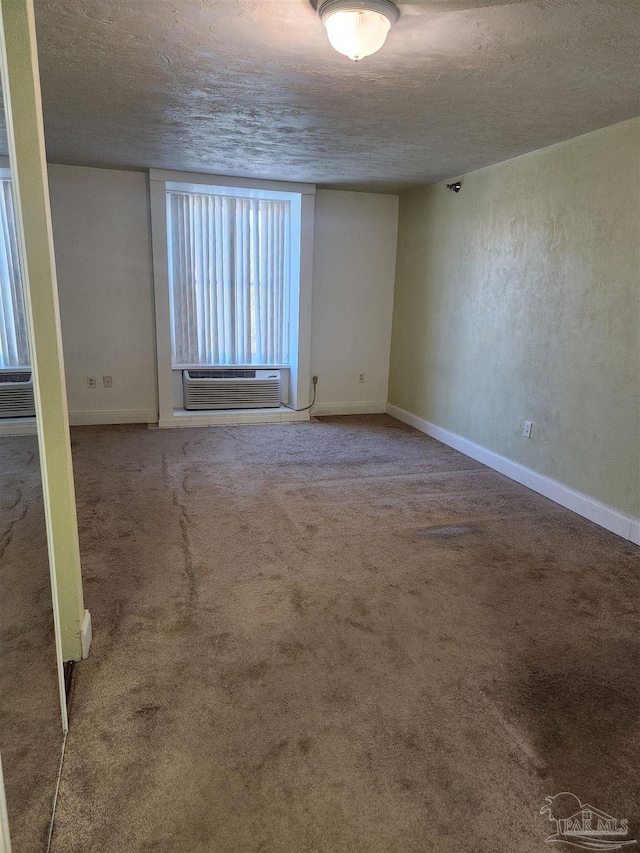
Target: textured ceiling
(252,88)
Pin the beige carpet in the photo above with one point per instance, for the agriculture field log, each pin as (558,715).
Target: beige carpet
(30,724)
(339,637)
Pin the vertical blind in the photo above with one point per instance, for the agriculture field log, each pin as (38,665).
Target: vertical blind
(229,270)
(14,344)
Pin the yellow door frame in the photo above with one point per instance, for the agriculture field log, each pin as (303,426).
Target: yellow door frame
(25,137)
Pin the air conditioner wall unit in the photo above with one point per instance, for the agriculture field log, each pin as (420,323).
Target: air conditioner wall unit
(231,388)
(16,394)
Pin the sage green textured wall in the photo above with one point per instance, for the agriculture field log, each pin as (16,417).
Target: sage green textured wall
(519,298)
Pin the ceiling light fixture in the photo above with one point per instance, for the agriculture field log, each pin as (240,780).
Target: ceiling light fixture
(357,28)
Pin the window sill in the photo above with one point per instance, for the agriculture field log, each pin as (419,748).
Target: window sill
(18,426)
(229,417)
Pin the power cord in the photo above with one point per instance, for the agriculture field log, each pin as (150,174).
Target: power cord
(312,403)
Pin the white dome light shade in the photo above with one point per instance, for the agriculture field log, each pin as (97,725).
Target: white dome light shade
(357,33)
(357,28)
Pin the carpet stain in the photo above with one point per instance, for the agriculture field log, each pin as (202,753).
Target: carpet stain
(304,744)
(257,671)
(148,711)
(298,600)
(447,532)
(359,625)
(291,649)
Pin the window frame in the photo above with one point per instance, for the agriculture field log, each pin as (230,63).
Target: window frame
(294,274)
(296,374)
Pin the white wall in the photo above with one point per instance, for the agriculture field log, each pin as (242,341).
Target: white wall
(102,237)
(103,256)
(518,299)
(353,278)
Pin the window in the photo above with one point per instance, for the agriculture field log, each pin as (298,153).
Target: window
(232,266)
(14,343)
(229,266)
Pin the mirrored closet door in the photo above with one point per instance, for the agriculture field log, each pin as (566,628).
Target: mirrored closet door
(31,718)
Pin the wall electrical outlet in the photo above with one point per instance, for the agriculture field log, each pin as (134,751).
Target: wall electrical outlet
(107,381)
(361,377)
(526,429)
(92,382)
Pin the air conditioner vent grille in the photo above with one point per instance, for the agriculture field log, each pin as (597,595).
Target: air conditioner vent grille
(231,389)
(16,395)
(222,373)
(15,377)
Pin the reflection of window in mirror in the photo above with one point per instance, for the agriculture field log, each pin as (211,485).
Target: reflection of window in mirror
(14,343)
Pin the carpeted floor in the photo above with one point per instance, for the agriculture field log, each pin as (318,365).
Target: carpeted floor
(30,724)
(339,637)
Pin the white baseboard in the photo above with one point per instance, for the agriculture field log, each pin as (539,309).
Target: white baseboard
(27,426)
(375,408)
(85,635)
(606,516)
(128,416)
